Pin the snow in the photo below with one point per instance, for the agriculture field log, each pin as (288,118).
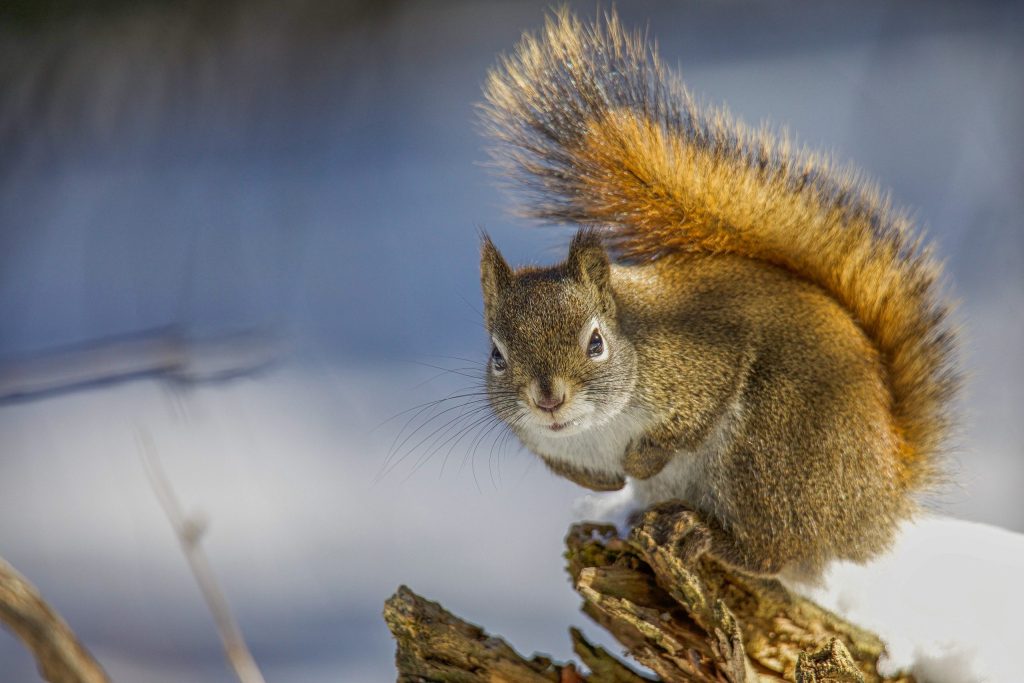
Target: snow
(947,600)
(610,508)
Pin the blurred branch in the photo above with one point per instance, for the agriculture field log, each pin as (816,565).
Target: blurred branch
(61,658)
(163,352)
(189,532)
(701,623)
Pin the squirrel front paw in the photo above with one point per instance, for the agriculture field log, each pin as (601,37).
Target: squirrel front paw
(644,459)
(595,481)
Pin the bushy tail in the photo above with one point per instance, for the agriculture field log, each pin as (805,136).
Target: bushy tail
(592,129)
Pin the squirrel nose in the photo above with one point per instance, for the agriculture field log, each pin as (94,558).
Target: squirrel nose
(550,403)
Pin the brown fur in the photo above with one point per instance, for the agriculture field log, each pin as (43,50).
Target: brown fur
(753,274)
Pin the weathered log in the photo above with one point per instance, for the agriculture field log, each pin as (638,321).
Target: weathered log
(699,622)
(435,645)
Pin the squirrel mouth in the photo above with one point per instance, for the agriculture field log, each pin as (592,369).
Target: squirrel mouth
(558,426)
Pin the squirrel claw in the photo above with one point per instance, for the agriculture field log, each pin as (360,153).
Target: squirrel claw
(674,524)
(694,543)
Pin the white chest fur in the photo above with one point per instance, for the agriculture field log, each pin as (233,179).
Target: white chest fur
(682,479)
(688,476)
(599,448)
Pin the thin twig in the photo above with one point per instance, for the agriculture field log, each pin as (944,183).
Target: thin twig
(190,532)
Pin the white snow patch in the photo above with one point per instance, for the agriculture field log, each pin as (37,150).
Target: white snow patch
(947,600)
(612,508)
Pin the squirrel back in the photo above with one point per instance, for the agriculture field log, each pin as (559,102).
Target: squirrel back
(594,130)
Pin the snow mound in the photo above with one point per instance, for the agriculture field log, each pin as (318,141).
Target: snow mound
(948,600)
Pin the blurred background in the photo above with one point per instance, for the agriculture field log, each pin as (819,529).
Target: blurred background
(247,231)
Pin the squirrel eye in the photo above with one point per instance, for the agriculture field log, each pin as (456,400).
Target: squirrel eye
(498,361)
(595,347)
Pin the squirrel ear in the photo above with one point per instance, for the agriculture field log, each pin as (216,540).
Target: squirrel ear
(588,263)
(495,274)
(588,260)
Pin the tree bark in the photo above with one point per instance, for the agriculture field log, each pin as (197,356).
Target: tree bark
(699,622)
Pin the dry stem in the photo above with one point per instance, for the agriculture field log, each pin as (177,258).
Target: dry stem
(189,532)
(61,658)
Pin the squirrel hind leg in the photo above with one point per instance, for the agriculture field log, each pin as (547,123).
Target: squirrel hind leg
(692,534)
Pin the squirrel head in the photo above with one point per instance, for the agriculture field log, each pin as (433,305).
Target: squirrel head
(559,363)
